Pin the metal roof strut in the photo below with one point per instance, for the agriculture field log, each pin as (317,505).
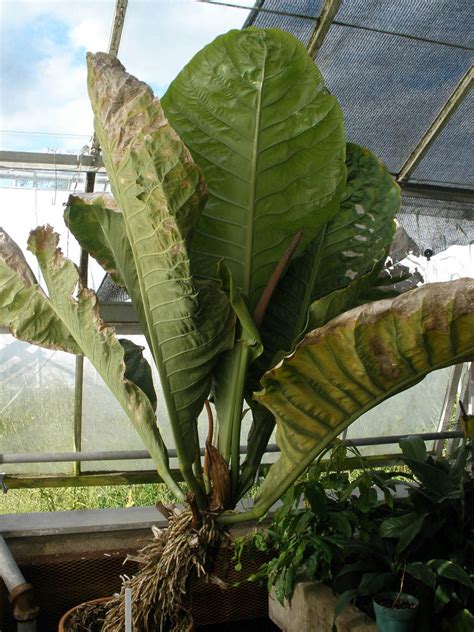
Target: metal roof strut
(440,121)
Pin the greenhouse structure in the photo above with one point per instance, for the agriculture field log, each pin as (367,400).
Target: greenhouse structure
(237,315)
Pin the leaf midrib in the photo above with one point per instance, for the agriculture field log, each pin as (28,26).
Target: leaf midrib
(250,228)
(154,334)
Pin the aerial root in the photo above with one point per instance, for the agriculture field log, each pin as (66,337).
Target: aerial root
(178,556)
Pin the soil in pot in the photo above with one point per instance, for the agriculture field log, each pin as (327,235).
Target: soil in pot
(395,612)
(87,617)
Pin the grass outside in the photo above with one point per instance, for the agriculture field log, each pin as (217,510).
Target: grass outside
(64,498)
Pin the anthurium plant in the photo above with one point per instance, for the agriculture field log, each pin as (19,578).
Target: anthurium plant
(249,237)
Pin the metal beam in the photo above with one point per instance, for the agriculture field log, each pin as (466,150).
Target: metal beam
(79,363)
(122,316)
(60,162)
(117,27)
(89,479)
(114,45)
(432,192)
(127,455)
(437,126)
(330,8)
(66,162)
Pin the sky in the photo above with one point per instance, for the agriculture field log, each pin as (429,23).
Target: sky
(42,59)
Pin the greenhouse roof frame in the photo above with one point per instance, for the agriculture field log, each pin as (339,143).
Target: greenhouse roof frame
(322,24)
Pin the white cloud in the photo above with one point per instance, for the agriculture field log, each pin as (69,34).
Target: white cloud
(156,45)
(43,63)
(90,34)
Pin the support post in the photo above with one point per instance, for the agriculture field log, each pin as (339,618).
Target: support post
(445,114)
(330,8)
(79,367)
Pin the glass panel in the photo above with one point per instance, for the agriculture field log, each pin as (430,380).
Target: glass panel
(415,410)
(157,43)
(43,56)
(36,404)
(107,427)
(43,72)
(31,207)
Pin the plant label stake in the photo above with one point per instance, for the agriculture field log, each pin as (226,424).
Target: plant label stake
(128,609)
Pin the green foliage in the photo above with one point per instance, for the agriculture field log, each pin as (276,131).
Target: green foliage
(425,545)
(320,514)
(253,110)
(353,363)
(334,528)
(66,498)
(260,158)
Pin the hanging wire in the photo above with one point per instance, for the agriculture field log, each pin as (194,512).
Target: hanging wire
(416,38)
(288,14)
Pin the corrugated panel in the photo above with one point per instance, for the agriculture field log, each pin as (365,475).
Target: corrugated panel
(391,87)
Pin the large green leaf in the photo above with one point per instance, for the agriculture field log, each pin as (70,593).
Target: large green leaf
(253,110)
(161,192)
(349,247)
(335,272)
(24,307)
(98,225)
(450,570)
(404,528)
(320,312)
(328,307)
(99,343)
(356,361)
(96,222)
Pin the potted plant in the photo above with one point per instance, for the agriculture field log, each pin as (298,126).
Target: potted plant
(254,230)
(395,612)
(358,535)
(307,536)
(423,544)
(320,514)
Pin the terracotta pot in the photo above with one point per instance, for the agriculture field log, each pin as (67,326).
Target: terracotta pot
(62,626)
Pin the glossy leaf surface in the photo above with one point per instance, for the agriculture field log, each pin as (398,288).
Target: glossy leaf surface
(253,110)
(335,272)
(349,247)
(356,361)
